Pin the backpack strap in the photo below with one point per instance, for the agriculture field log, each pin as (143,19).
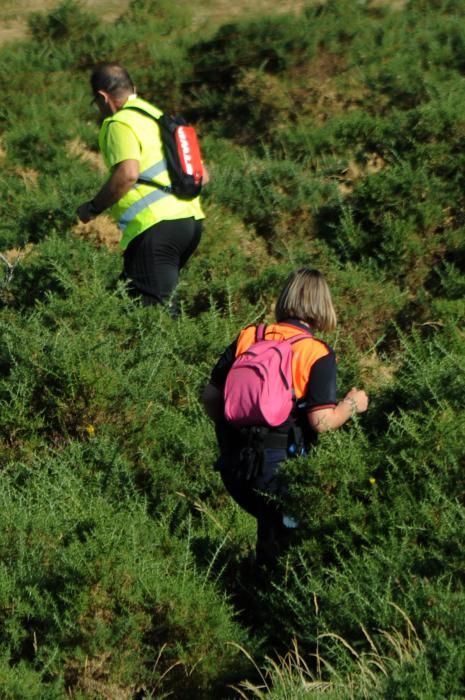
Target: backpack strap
(261,330)
(152,183)
(301,336)
(147,112)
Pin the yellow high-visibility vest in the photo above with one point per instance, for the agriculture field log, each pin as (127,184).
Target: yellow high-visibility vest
(144,205)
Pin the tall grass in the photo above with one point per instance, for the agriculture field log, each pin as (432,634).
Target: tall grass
(368,674)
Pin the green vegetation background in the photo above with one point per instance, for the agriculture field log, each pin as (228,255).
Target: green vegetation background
(336,138)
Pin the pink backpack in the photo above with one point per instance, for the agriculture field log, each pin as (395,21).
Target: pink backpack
(258,389)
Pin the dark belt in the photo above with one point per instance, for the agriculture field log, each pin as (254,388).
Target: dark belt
(276,441)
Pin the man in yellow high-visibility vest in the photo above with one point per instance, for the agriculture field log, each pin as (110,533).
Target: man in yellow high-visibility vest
(159,231)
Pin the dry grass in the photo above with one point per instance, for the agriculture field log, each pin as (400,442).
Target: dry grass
(219,11)
(9,261)
(77,148)
(13,13)
(290,675)
(14,255)
(102,231)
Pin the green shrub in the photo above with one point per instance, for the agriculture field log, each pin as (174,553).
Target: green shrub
(381,512)
(67,21)
(85,583)
(334,138)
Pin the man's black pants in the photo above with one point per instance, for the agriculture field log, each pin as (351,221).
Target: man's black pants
(153,259)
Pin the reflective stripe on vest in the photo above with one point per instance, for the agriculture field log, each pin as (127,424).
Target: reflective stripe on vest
(135,209)
(154,170)
(154,196)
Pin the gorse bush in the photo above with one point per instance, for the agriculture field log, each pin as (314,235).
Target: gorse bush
(68,21)
(367,510)
(82,576)
(335,138)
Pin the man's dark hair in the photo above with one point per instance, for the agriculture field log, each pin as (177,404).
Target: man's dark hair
(111,78)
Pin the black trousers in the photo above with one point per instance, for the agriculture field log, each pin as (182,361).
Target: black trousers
(153,259)
(255,497)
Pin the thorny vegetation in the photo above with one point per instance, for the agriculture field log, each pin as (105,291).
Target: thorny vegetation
(335,137)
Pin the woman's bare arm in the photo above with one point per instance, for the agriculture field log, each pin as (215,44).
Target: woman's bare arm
(321,420)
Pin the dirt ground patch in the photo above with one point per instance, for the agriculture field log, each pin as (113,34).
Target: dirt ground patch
(13,13)
(102,231)
(218,11)
(78,148)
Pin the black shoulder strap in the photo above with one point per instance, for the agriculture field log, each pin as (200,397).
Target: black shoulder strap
(143,111)
(150,183)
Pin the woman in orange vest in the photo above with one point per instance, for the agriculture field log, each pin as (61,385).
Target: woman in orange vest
(250,457)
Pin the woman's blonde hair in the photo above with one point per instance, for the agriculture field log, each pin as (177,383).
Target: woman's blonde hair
(306,297)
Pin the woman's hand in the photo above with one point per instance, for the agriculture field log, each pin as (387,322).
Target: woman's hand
(358,399)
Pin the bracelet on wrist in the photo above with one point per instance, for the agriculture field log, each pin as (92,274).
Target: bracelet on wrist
(353,404)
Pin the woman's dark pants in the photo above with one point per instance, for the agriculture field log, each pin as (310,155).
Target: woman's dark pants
(256,497)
